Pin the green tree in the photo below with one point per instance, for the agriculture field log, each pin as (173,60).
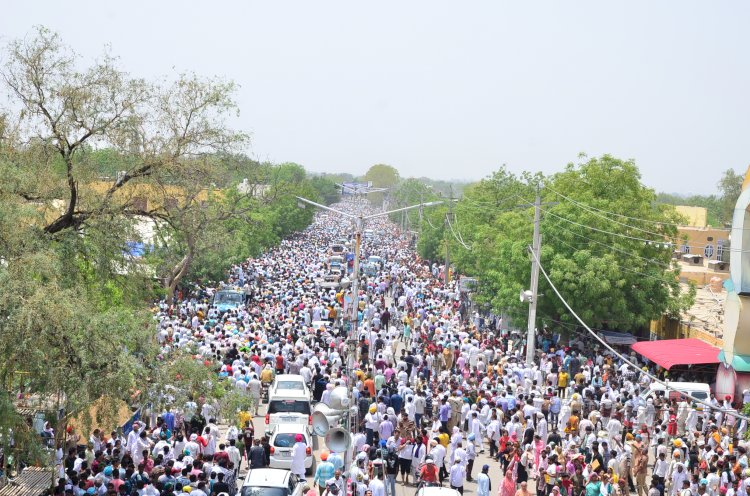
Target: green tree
(382,176)
(326,189)
(64,112)
(615,271)
(730,186)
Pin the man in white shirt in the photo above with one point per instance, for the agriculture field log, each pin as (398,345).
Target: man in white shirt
(660,468)
(376,485)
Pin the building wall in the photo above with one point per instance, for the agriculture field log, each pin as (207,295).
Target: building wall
(667,328)
(709,242)
(695,216)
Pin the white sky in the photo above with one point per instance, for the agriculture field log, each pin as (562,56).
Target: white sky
(450,90)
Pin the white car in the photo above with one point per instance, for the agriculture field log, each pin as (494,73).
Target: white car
(281,443)
(288,406)
(436,491)
(284,382)
(272,482)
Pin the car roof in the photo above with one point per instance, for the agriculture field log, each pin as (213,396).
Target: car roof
(290,377)
(437,491)
(267,477)
(290,429)
(289,394)
(698,386)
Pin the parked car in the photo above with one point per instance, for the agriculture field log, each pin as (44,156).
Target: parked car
(699,390)
(282,441)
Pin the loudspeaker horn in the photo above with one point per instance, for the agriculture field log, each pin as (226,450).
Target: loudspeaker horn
(324,418)
(338,440)
(339,398)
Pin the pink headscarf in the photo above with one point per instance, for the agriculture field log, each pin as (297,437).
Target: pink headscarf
(508,486)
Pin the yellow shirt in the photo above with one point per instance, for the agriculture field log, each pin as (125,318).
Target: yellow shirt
(444,439)
(266,375)
(562,379)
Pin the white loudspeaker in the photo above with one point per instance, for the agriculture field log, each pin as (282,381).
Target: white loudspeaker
(338,440)
(340,398)
(324,418)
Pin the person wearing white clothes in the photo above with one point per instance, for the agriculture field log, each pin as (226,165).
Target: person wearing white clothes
(376,486)
(541,427)
(299,454)
(678,476)
(410,408)
(476,429)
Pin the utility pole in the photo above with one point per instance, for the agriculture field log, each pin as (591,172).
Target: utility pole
(536,246)
(351,337)
(448,219)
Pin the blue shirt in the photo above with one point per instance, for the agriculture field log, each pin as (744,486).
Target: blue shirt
(445,412)
(324,472)
(396,402)
(483,485)
(169,420)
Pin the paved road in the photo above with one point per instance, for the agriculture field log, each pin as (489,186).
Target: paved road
(401,490)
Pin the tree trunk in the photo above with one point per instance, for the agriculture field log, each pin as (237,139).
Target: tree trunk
(177,273)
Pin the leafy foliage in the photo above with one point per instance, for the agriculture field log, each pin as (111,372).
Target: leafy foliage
(616,272)
(720,208)
(382,176)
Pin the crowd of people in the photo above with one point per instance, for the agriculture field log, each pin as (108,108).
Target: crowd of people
(436,388)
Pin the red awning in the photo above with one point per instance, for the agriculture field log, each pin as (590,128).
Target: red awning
(670,352)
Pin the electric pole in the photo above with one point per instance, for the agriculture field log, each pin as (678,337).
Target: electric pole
(448,219)
(536,246)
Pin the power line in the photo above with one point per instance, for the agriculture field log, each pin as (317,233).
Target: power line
(594,209)
(458,229)
(666,385)
(634,238)
(603,231)
(614,248)
(620,267)
(427,218)
(456,236)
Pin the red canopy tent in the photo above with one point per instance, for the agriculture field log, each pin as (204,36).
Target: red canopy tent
(670,352)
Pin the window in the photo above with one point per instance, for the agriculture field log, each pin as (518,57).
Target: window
(289,406)
(708,251)
(265,491)
(295,385)
(286,440)
(685,248)
(720,250)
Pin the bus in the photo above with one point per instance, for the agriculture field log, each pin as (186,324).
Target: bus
(228,299)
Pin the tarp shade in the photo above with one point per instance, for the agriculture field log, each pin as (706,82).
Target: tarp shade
(670,352)
(740,363)
(618,338)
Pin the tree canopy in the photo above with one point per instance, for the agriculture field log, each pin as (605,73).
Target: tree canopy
(94,161)
(615,271)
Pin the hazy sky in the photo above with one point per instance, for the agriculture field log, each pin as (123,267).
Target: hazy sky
(450,89)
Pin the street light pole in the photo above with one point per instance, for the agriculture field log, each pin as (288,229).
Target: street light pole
(354,315)
(448,219)
(535,248)
(351,339)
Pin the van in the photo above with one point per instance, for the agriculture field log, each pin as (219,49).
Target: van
(699,390)
(288,406)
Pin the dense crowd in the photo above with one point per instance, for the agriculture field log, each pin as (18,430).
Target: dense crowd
(434,385)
